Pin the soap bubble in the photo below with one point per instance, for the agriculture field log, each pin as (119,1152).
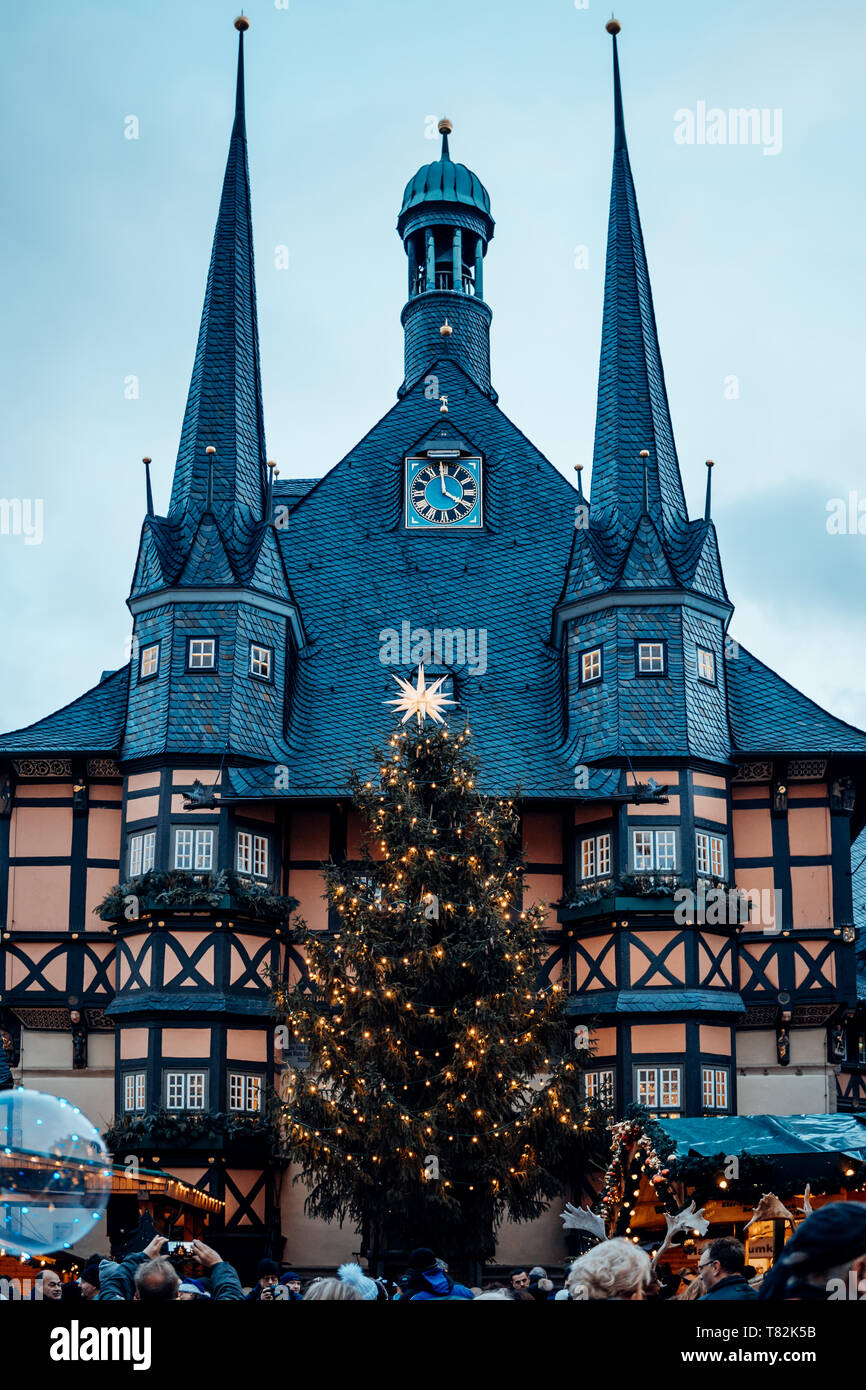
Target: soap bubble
(55,1173)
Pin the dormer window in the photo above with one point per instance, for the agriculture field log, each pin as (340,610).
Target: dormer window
(651,658)
(149,663)
(261,661)
(706,666)
(590,666)
(201,653)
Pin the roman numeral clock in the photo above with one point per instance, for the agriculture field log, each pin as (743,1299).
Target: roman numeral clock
(443,491)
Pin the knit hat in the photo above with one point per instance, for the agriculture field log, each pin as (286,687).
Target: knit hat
(354,1274)
(267,1267)
(90,1273)
(826,1239)
(194,1286)
(290,1277)
(421,1259)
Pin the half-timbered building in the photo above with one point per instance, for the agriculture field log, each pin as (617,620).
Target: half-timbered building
(687,814)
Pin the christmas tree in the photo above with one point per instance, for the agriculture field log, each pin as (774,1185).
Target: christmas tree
(442,1088)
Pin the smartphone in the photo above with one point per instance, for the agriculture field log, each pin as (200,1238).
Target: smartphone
(179,1247)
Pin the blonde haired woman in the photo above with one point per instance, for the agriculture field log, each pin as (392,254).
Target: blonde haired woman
(614,1269)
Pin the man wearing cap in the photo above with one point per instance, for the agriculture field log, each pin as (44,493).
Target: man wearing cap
(825,1259)
(292,1283)
(266,1276)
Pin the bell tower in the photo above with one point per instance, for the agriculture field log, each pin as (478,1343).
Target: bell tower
(446,226)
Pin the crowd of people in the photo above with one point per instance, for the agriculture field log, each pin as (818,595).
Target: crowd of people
(824,1259)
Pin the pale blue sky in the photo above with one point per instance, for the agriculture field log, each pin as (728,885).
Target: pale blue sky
(756,264)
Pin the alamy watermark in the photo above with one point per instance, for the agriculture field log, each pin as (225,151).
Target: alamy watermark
(711,125)
(448,646)
(22,516)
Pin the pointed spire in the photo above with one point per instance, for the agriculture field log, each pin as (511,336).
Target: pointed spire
(224,406)
(633,411)
(707,504)
(578,468)
(613,27)
(210,456)
(644,454)
(445,129)
(147,462)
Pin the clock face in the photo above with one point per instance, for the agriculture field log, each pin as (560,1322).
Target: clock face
(443,493)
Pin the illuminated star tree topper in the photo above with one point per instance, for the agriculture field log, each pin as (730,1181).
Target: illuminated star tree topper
(422,700)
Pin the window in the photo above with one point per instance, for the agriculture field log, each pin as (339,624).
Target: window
(651,658)
(245,1092)
(599,1085)
(201,653)
(715,1088)
(710,854)
(193,849)
(141,852)
(590,666)
(654,849)
(706,666)
(595,857)
(149,664)
(261,661)
(252,855)
(184,1090)
(133,1090)
(861,1048)
(658,1088)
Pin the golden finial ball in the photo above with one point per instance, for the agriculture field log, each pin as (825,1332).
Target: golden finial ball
(446,330)
(271,464)
(210,449)
(613,26)
(710,463)
(242,24)
(445,126)
(578,468)
(147,460)
(644,453)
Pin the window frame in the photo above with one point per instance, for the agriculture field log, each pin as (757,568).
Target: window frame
(137,1081)
(207,834)
(650,642)
(255,841)
(135,839)
(249,1082)
(597,843)
(187,1074)
(597,650)
(603,1089)
(719,1078)
(708,652)
(653,833)
(711,839)
(191,670)
(662,1074)
(149,675)
(267,679)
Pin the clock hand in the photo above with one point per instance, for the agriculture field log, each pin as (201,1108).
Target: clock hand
(442,478)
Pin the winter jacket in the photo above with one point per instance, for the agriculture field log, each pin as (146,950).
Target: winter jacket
(731,1287)
(120,1283)
(434,1284)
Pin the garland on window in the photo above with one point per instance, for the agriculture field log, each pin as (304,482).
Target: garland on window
(169,1127)
(183,888)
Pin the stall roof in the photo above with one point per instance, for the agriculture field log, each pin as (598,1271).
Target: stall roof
(771,1135)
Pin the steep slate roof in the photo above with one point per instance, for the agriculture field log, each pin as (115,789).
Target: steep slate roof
(91,724)
(633,411)
(355,573)
(224,407)
(767,715)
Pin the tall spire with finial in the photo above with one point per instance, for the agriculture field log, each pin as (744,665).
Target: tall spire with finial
(224,406)
(633,411)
